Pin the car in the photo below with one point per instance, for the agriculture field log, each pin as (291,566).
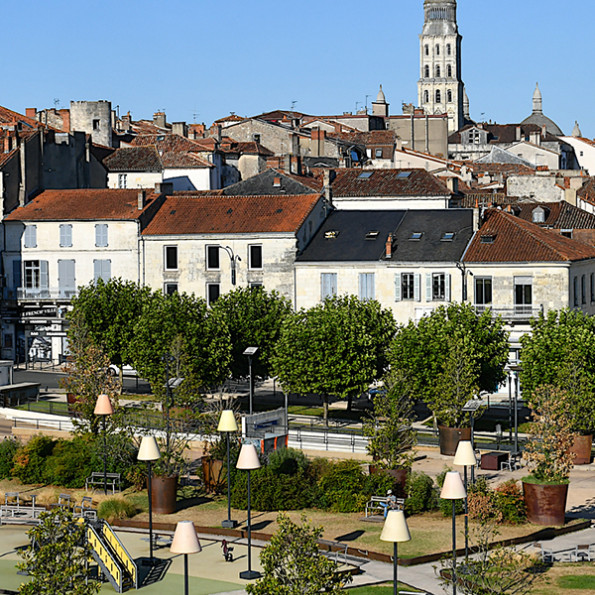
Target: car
(127,370)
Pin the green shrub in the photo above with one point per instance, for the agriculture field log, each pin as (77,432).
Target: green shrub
(344,487)
(510,502)
(421,492)
(116,508)
(71,462)
(287,461)
(8,449)
(31,458)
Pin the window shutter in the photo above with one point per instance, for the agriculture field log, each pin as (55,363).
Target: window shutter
(16,274)
(372,288)
(44,280)
(65,235)
(417,288)
(362,283)
(447,287)
(398,297)
(428,287)
(31,236)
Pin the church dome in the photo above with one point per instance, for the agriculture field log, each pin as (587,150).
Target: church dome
(539,118)
(380,98)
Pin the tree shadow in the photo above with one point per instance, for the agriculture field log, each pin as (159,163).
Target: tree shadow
(260,525)
(350,536)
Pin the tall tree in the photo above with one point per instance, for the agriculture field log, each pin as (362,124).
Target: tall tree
(254,318)
(453,343)
(293,565)
(334,349)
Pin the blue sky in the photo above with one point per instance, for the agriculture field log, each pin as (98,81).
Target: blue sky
(200,60)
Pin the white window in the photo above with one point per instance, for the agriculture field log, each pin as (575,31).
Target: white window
(122,180)
(407,287)
(170,288)
(483,291)
(523,295)
(213,258)
(65,235)
(379,153)
(328,285)
(31,236)
(366,286)
(36,277)
(255,256)
(171,258)
(438,96)
(102,269)
(438,287)
(213,293)
(101,235)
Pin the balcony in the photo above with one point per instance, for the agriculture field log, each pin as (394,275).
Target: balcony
(521,313)
(40,293)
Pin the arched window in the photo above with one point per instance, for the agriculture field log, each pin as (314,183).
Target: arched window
(448,50)
(427,49)
(449,96)
(437,71)
(426,97)
(448,70)
(427,72)
(438,96)
(437,50)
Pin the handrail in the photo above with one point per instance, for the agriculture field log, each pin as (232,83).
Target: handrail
(104,557)
(121,552)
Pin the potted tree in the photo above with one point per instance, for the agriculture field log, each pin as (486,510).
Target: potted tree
(390,434)
(549,456)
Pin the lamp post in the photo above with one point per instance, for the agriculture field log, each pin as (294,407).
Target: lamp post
(185,542)
(516,369)
(465,456)
(103,407)
(396,530)
(149,451)
(453,489)
(248,460)
(250,352)
(234,258)
(227,424)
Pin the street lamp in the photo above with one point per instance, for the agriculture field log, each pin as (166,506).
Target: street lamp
(227,424)
(250,352)
(185,542)
(465,456)
(149,451)
(516,369)
(103,407)
(453,489)
(396,530)
(234,258)
(248,460)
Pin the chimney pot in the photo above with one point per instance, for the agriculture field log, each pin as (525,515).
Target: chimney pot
(389,246)
(141,200)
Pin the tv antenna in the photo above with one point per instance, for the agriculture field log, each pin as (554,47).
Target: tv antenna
(293,105)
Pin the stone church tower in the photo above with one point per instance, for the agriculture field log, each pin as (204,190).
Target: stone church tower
(440,87)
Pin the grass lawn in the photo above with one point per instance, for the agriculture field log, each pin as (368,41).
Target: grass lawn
(567,579)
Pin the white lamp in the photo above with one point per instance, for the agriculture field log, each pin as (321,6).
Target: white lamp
(453,489)
(396,530)
(103,407)
(185,542)
(149,451)
(227,424)
(465,456)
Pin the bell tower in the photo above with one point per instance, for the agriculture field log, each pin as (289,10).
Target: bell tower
(440,87)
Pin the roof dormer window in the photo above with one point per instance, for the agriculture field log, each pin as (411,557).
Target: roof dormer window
(447,236)
(488,238)
(331,235)
(365,175)
(416,235)
(371,235)
(538,215)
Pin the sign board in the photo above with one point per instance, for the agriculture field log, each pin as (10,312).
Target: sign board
(51,312)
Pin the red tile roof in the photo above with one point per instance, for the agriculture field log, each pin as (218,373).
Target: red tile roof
(171,142)
(505,238)
(587,191)
(388,182)
(134,159)
(175,159)
(85,204)
(231,214)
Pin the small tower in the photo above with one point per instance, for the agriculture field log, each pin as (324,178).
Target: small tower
(576,131)
(440,87)
(380,107)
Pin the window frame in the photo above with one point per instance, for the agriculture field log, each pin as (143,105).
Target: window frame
(210,286)
(166,253)
(101,230)
(65,235)
(30,236)
(367,286)
(210,251)
(438,287)
(328,280)
(168,286)
(96,261)
(484,281)
(252,248)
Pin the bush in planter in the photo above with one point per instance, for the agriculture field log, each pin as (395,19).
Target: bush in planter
(509,501)
(421,493)
(8,450)
(502,504)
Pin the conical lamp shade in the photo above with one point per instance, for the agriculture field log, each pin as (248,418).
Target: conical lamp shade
(148,451)
(227,422)
(248,458)
(465,454)
(395,527)
(453,488)
(185,540)
(103,406)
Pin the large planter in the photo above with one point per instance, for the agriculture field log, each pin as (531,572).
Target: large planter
(212,472)
(450,437)
(163,494)
(546,504)
(581,449)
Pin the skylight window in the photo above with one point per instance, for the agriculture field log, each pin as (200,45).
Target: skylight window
(447,236)
(365,175)
(403,175)
(416,235)
(371,235)
(488,238)
(331,235)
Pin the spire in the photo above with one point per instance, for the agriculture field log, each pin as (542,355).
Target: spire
(537,100)
(380,98)
(576,131)
(466,114)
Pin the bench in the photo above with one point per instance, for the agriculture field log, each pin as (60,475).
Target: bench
(377,505)
(95,481)
(335,550)
(85,509)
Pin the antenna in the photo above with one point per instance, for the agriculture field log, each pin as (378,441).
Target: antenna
(56,103)
(293,104)
(367,103)
(194,116)
(356,104)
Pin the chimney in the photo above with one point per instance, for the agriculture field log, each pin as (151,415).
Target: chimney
(159,119)
(453,184)
(287,163)
(142,200)
(389,246)
(518,133)
(126,122)
(328,194)
(31,112)
(179,128)
(164,187)
(277,182)
(218,134)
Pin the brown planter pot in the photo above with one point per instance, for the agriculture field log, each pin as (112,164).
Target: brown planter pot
(546,504)
(581,449)
(71,400)
(400,476)
(212,472)
(450,437)
(163,494)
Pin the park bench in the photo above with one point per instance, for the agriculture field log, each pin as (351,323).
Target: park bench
(96,479)
(377,504)
(85,509)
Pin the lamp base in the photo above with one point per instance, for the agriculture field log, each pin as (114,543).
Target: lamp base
(229,524)
(250,575)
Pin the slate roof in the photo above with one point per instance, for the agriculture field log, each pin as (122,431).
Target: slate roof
(181,215)
(263,184)
(345,236)
(505,238)
(387,182)
(503,133)
(558,215)
(134,159)
(175,159)
(81,204)
(171,142)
